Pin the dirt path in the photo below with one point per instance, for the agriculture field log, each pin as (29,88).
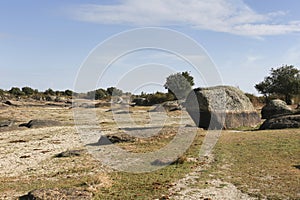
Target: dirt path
(215,189)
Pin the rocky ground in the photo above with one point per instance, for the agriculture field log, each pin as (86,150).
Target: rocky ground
(28,154)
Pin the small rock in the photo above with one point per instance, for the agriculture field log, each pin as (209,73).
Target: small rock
(122,137)
(69,153)
(40,123)
(54,194)
(6,123)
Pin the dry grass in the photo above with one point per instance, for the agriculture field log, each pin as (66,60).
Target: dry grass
(260,163)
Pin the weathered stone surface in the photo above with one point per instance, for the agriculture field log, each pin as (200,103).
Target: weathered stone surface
(275,108)
(121,137)
(70,153)
(221,107)
(54,194)
(36,123)
(281,122)
(13,103)
(6,123)
(167,106)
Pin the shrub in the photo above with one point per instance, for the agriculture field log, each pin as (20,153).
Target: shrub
(16,91)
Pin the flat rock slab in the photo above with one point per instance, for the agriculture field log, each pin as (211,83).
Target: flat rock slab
(36,123)
(287,121)
(54,194)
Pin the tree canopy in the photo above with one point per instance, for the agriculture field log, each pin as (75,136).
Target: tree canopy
(179,84)
(284,81)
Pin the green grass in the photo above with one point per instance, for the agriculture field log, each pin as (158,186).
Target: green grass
(151,185)
(262,163)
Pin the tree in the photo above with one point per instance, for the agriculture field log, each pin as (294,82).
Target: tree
(16,91)
(113,91)
(281,81)
(179,84)
(49,92)
(68,93)
(100,94)
(188,77)
(28,90)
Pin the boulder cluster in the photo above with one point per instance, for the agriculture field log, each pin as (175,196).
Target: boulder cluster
(226,107)
(279,115)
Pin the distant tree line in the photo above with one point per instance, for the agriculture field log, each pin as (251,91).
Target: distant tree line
(178,86)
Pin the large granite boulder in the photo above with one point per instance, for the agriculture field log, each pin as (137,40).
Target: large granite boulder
(275,108)
(221,107)
(281,122)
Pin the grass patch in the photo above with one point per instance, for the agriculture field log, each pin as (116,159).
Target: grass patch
(261,163)
(151,185)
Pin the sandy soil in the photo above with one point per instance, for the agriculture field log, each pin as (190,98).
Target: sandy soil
(215,189)
(24,152)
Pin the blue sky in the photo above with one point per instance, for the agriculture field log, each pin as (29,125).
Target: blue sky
(44,43)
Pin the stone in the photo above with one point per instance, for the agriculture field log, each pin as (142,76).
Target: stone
(6,123)
(70,153)
(282,122)
(275,108)
(13,103)
(140,101)
(54,194)
(121,137)
(36,123)
(221,107)
(167,106)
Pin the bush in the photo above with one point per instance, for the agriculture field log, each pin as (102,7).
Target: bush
(151,99)
(68,93)
(28,91)
(49,92)
(16,91)
(256,101)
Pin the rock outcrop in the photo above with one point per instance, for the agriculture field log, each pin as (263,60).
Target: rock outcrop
(281,122)
(221,107)
(167,106)
(275,108)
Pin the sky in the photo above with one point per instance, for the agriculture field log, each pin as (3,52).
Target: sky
(45,44)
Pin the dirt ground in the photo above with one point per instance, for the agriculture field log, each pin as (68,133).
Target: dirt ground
(29,154)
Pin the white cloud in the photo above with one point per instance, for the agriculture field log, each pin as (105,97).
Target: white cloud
(230,16)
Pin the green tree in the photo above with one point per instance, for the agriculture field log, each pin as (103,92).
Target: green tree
(284,81)
(100,94)
(179,84)
(113,91)
(188,77)
(49,92)
(28,90)
(68,93)
(1,92)
(16,91)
